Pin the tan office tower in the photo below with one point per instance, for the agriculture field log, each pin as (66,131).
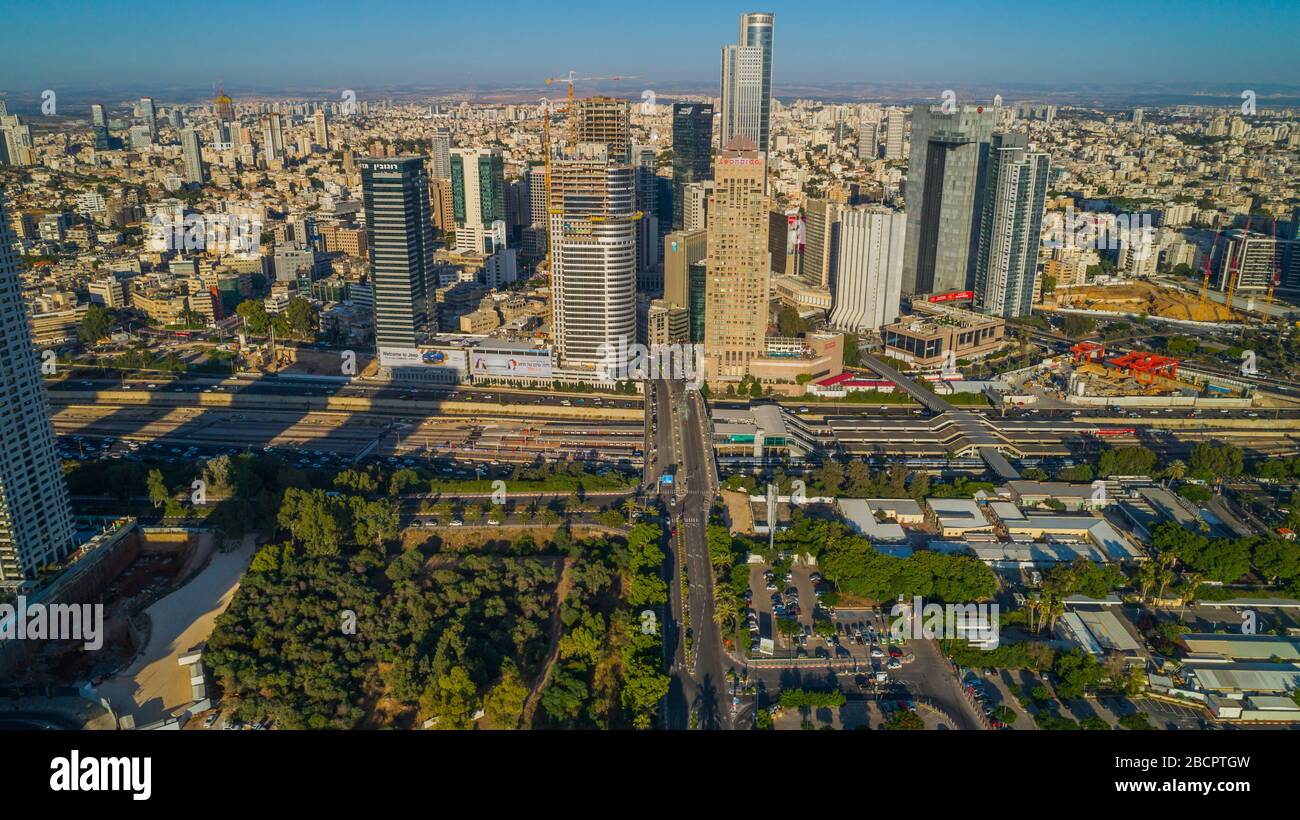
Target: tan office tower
(322,130)
(593,255)
(444,216)
(607,121)
(737,284)
(821,248)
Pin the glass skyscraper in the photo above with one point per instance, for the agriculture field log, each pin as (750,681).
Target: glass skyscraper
(692,150)
(945,178)
(399,234)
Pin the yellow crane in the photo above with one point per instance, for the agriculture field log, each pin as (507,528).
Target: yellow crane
(569,81)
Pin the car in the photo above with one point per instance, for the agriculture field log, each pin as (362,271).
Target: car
(456,522)
(211,719)
(770,586)
(876,652)
(894,663)
(895,652)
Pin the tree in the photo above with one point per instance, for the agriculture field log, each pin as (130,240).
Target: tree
(790,323)
(904,719)
(504,703)
(158,493)
(253,312)
(302,317)
(96,323)
(451,700)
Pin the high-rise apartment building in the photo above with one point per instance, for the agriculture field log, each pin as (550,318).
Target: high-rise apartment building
(742,94)
(1010,227)
(868,281)
(272,137)
(695,205)
(593,254)
(440,158)
(944,195)
(756,31)
(692,151)
(192,153)
(478,196)
(35,518)
(606,121)
(737,287)
(895,126)
(322,129)
(867,141)
(399,234)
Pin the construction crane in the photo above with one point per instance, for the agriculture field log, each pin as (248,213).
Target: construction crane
(569,81)
(1235,271)
(1273,281)
(1205,283)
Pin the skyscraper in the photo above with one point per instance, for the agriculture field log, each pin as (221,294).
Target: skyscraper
(869,276)
(692,151)
(593,254)
(35,519)
(399,235)
(821,224)
(895,125)
(944,194)
(322,129)
(192,152)
(756,30)
(149,112)
(1010,227)
(97,115)
(272,137)
(742,94)
(478,195)
(607,121)
(737,286)
(440,163)
(867,141)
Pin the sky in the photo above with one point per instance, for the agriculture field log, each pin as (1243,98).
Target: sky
(280,45)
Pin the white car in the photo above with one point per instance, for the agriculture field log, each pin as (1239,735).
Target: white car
(456,522)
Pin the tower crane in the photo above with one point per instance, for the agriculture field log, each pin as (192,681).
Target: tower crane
(1235,270)
(569,81)
(1205,283)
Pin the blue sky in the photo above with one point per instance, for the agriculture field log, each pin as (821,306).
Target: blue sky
(273,44)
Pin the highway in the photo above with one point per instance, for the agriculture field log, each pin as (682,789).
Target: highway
(699,686)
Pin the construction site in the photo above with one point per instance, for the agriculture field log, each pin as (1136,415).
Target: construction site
(1097,373)
(1141,298)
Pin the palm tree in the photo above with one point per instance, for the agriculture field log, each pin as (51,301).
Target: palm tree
(1148,577)
(1032,604)
(1189,592)
(630,506)
(1176,469)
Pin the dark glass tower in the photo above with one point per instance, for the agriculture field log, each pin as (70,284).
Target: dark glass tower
(399,234)
(692,150)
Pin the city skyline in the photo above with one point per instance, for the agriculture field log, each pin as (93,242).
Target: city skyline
(819,43)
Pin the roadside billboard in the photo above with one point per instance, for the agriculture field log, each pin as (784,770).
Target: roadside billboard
(517,363)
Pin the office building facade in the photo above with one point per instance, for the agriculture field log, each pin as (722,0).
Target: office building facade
(399,235)
(593,254)
(737,287)
(692,151)
(945,178)
(478,197)
(868,281)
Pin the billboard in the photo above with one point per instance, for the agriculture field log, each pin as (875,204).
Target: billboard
(519,363)
(795,237)
(955,296)
(413,357)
